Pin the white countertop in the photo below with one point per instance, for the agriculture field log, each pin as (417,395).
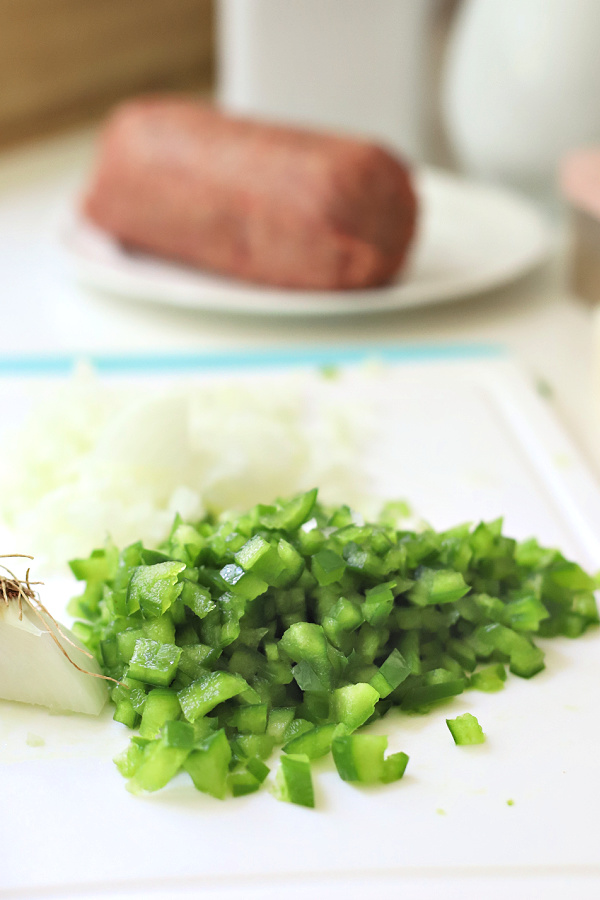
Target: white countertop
(551,335)
(549,332)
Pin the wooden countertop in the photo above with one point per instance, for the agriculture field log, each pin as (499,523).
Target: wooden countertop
(64,62)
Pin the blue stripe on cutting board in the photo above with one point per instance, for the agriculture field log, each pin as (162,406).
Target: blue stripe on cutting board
(185,361)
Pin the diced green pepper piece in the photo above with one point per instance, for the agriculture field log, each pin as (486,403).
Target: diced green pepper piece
(196,660)
(525,659)
(367,643)
(203,695)
(135,691)
(315,707)
(409,648)
(101,565)
(251,554)
(307,679)
(489,679)
(343,618)
(292,514)
(359,757)
(279,564)
(245,662)
(243,782)
(433,686)
(125,642)
(185,543)
(293,564)
(584,605)
(163,758)
(378,604)
(125,713)
(279,720)
(129,558)
(466,729)
(245,584)
(327,567)
(314,743)
(525,614)
(253,746)
(462,653)
(251,719)
(527,662)
(310,538)
(153,662)
(130,759)
(161,629)
(353,705)
(197,598)
(232,608)
(257,768)
(297,727)
(306,642)
(153,589)
(208,765)
(364,561)
(161,706)
(293,781)
(570,576)
(391,673)
(110,653)
(394,767)
(151,557)
(204,727)
(434,586)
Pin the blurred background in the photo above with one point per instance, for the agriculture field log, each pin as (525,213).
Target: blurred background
(498,89)
(64,63)
(363,66)
(501,91)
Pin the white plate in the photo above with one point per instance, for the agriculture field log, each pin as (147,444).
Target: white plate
(461,440)
(472,237)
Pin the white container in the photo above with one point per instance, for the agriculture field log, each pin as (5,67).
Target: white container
(357,65)
(522,86)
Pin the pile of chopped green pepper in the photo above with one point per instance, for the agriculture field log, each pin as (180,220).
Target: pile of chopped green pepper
(293,625)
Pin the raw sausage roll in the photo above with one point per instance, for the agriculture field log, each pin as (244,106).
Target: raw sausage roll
(261,202)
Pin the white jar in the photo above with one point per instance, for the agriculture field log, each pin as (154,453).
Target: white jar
(357,65)
(522,86)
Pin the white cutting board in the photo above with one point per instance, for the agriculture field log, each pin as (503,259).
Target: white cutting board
(461,440)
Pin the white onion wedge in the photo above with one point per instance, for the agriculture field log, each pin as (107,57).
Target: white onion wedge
(34,668)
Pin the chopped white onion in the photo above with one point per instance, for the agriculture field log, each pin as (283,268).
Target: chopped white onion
(97,458)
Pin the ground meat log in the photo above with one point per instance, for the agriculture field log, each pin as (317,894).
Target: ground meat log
(264,203)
